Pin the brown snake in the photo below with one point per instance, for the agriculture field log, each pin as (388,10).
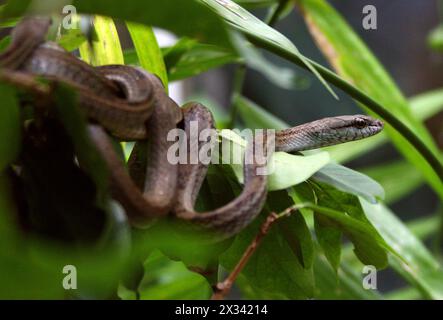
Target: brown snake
(130,104)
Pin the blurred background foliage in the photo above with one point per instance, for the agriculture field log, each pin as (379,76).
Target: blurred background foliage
(226,55)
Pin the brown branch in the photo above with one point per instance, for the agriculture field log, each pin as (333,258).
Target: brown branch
(223,288)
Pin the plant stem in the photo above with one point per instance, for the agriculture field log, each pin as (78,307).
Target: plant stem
(223,288)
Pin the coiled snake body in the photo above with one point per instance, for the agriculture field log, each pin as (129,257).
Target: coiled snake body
(130,104)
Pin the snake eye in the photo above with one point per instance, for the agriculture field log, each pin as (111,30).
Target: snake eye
(360,123)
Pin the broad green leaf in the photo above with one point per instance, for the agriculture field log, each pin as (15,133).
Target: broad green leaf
(353,60)
(10,126)
(148,51)
(342,283)
(167,279)
(419,267)
(285,169)
(350,181)
(290,170)
(105,48)
(245,22)
(329,233)
(329,238)
(296,232)
(184,18)
(369,246)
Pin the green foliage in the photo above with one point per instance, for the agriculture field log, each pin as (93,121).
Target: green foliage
(9,126)
(302,256)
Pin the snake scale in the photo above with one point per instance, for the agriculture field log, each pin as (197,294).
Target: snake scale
(131,104)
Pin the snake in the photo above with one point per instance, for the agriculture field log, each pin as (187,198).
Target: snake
(129,103)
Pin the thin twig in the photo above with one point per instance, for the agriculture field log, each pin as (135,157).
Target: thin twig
(223,288)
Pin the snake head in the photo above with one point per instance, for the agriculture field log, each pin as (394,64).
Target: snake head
(350,128)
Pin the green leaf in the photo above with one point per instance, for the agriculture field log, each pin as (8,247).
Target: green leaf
(329,238)
(296,232)
(4,43)
(353,60)
(350,181)
(10,126)
(147,50)
(245,22)
(72,39)
(345,213)
(184,18)
(8,23)
(414,262)
(285,78)
(290,170)
(369,247)
(13,9)
(166,279)
(188,58)
(106,48)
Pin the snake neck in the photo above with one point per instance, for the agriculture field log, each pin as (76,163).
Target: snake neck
(300,138)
